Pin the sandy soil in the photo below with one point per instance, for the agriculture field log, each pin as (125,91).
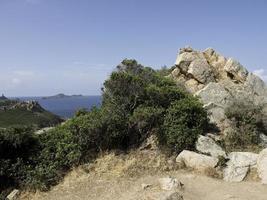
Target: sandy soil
(107,183)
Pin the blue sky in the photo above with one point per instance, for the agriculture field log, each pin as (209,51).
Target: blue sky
(70,46)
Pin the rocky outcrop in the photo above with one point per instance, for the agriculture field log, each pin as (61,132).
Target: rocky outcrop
(28,105)
(218,81)
(208,146)
(196,161)
(262,166)
(3,98)
(238,166)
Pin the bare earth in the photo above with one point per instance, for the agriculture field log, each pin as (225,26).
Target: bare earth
(108,183)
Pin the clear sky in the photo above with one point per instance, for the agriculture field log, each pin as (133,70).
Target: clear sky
(70,46)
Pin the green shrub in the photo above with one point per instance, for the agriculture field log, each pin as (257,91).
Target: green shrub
(146,120)
(137,101)
(59,152)
(18,146)
(185,120)
(246,120)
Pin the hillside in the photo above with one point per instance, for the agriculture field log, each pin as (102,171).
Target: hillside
(206,118)
(30,113)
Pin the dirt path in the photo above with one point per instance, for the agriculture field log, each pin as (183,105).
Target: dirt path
(94,187)
(119,177)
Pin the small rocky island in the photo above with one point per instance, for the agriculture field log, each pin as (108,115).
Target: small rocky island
(61,96)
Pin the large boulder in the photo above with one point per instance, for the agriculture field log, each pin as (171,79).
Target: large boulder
(208,146)
(235,70)
(216,60)
(185,58)
(201,71)
(238,166)
(262,166)
(196,161)
(215,99)
(215,93)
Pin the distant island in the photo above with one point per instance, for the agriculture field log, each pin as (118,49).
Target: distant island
(61,96)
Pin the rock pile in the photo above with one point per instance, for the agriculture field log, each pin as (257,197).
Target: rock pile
(218,81)
(237,165)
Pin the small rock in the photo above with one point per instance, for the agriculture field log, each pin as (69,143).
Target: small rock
(13,195)
(145,186)
(196,161)
(170,184)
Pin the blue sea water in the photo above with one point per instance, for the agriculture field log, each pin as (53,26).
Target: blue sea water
(66,107)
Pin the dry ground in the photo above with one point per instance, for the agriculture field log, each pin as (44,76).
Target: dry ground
(120,177)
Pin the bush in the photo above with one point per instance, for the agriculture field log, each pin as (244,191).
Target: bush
(18,147)
(59,152)
(185,120)
(246,125)
(144,120)
(137,101)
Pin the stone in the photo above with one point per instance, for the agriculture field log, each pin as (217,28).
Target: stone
(13,195)
(217,113)
(176,72)
(208,146)
(184,59)
(257,88)
(238,166)
(262,166)
(217,62)
(196,161)
(201,71)
(192,85)
(170,183)
(236,70)
(145,186)
(186,49)
(215,93)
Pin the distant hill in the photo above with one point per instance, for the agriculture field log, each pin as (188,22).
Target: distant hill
(60,96)
(28,113)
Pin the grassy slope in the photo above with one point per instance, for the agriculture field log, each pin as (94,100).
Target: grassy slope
(25,117)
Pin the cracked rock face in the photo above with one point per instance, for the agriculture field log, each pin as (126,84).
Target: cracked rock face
(238,165)
(218,81)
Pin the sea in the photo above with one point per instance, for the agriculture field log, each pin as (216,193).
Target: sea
(66,107)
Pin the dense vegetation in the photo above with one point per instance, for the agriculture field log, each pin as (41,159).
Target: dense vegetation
(137,102)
